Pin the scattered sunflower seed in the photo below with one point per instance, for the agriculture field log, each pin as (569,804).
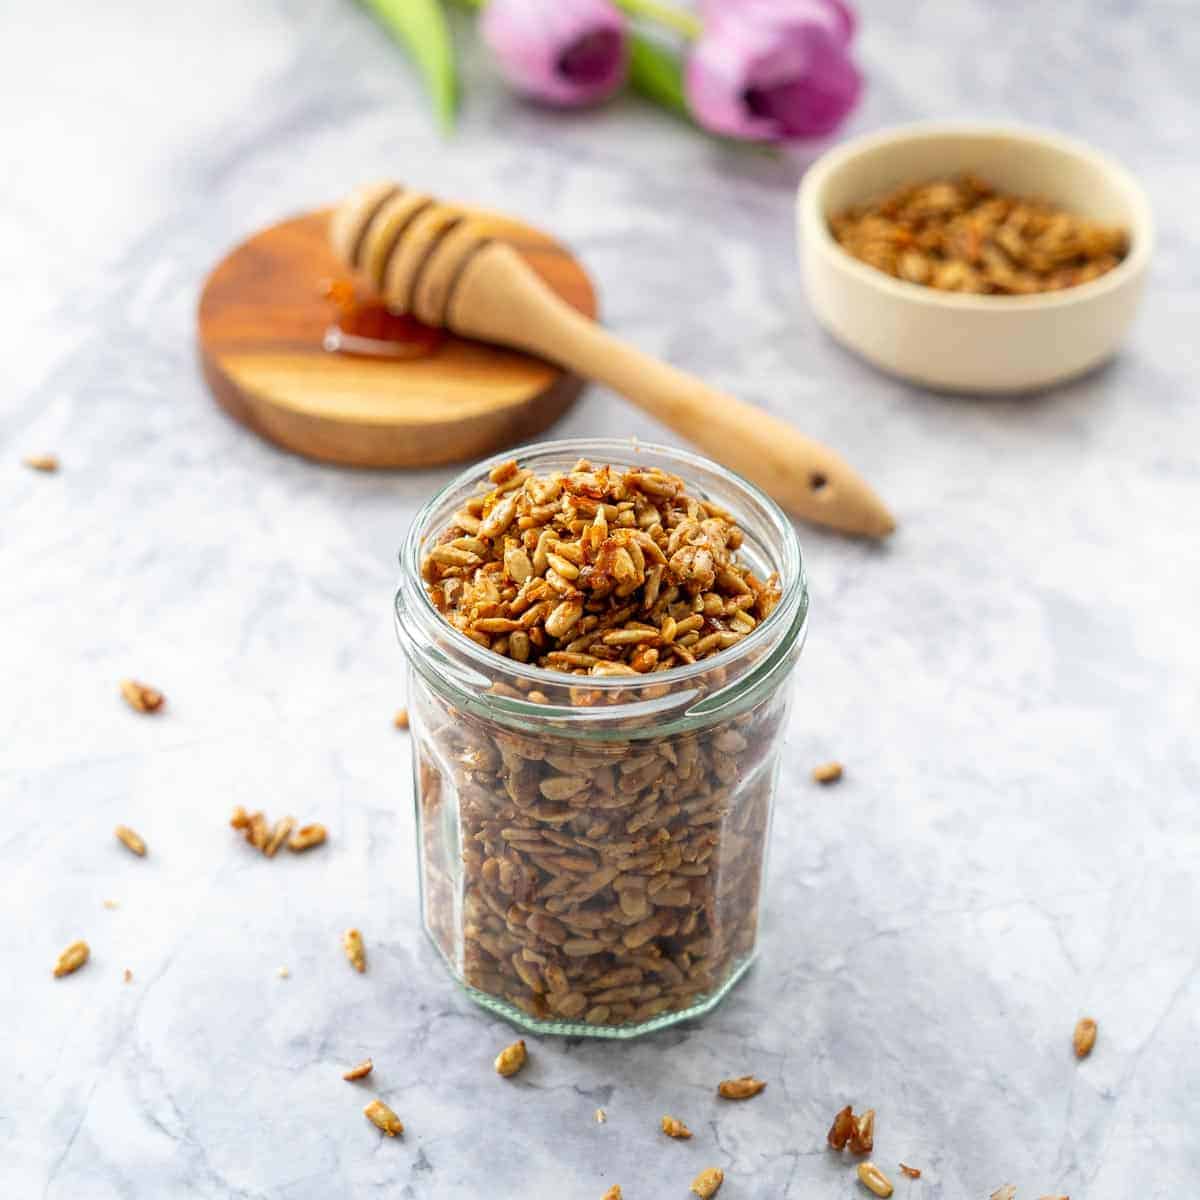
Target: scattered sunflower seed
(1007,1192)
(130,840)
(361,1071)
(259,833)
(262,836)
(707,1182)
(352,943)
(383,1118)
(511,1059)
(128,975)
(842,1129)
(279,835)
(862,1140)
(911,1172)
(253,826)
(71,959)
(741,1088)
(306,837)
(1084,1037)
(283,973)
(112,904)
(613,1193)
(829,772)
(675,1128)
(601,1116)
(141,697)
(401,718)
(42,462)
(874,1180)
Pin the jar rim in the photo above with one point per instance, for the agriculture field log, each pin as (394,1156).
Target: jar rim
(414,601)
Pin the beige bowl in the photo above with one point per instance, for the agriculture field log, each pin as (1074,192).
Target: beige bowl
(971,343)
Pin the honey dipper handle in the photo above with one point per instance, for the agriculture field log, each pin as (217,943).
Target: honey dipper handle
(498,298)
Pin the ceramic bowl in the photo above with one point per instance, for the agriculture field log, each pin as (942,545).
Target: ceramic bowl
(970,343)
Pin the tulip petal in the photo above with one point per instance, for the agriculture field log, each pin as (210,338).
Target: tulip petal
(565,52)
(766,71)
(782,12)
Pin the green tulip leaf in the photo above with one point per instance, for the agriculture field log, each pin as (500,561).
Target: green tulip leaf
(420,26)
(656,72)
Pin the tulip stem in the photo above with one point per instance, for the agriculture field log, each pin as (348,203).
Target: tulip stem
(678,19)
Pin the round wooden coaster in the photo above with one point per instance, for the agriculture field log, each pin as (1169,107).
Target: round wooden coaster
(262,320)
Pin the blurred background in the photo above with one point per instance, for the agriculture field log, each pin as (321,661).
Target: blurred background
(125,119)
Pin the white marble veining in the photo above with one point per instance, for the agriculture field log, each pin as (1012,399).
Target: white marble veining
(1012,681)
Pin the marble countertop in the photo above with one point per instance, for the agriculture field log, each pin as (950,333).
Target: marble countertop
(1011,681)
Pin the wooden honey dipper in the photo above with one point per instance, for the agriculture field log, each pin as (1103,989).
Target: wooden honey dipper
(446,267)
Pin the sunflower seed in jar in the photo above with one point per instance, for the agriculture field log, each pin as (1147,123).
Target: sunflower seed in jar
(604,883)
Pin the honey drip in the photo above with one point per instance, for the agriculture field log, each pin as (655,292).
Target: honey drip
(366,327)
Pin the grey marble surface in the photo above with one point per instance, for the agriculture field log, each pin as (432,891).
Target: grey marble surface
(1011,681)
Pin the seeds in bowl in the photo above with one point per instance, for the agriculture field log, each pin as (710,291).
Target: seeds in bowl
(964,235)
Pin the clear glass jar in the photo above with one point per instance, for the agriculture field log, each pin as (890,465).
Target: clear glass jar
(592,848)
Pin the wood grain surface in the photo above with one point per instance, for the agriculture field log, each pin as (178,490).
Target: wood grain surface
(261,322)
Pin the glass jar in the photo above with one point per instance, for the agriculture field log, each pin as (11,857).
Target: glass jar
(592,847)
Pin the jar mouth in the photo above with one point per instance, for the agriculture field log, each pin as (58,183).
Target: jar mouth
(425,624)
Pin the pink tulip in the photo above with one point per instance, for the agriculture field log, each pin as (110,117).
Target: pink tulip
(770,70)
(564,52)
(712,10)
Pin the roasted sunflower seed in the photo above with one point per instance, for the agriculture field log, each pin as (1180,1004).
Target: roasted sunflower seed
(511,1059)
(741,1088)
(352,943)
(130,840)
(383,1118)
(71,959)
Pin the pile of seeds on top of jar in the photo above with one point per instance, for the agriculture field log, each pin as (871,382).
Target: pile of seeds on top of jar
(962,235)
(596,571)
